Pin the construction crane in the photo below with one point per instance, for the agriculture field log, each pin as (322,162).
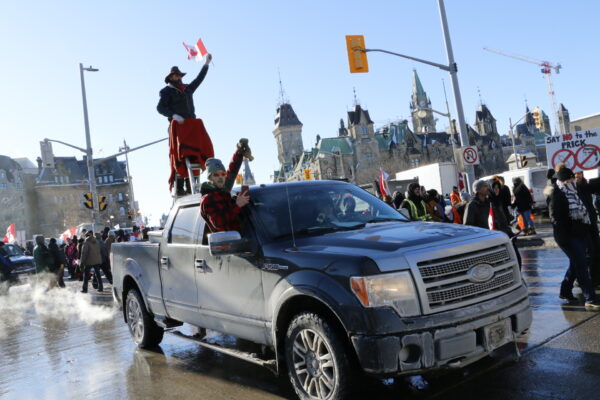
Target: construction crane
(546,69)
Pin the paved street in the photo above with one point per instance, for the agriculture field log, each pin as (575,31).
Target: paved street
(58,345)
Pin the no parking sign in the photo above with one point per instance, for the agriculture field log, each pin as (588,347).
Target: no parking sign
(579,151)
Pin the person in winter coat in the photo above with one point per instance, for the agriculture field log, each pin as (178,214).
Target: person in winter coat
(105,266)
(415,204)
(586,192)
(177,103)
(500,220)
(504,197)
(523,202)
(458,210)
(59,262)
(433,206)
(91,257)
(109,241)
(44,262)
(454,196)
(571,225)
(397,199)
(71,256)
(217,207)
(6,265)
(477,212)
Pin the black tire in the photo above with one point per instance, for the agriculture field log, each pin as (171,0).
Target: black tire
(144,330)
(316,359)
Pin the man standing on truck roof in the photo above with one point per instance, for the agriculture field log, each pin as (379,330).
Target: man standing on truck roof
(217,207)
(185,139)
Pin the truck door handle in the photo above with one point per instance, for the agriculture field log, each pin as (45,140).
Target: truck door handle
(164,262)
(200,264)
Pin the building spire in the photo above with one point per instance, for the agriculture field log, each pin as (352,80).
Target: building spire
(282,96)
(355,97)
(418,91)
(479,94)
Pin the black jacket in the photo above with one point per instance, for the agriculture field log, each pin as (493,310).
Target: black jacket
(176,101)
(477,213)
(523,199)
(564,227)
(585,190)
(505,200)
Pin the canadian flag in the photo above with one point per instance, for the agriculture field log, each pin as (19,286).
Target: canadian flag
(383,186)
(11,234)
(491,219)
(68,234)
(196,52)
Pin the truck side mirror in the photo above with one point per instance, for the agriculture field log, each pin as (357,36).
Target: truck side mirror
(226,243)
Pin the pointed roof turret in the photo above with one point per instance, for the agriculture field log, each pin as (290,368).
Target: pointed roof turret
(286,116)
(418,91)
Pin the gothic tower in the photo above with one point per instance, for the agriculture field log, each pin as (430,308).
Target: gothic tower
(288,134)
(420,108)
(485,122)
(563,118)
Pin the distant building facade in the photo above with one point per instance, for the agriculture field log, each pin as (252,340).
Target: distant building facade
(49,199)
(359,150)
(585,123)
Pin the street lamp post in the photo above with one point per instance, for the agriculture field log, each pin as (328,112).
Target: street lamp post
(89,152)
(126,149)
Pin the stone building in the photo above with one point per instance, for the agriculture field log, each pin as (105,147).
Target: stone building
(49,199)
(529,139)
(60,190)
(16,197)
(359,150)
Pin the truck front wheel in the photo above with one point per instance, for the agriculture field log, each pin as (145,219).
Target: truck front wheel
(315,357)
(145,332)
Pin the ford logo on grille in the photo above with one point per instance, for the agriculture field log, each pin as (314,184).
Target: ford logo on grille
(480,273)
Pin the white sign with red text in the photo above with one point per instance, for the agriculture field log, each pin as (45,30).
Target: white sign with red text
(579,151)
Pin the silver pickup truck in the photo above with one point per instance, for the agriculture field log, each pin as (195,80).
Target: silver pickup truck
(331,281)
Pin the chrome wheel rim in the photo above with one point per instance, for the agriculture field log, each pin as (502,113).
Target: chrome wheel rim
(313,364)
(135,320)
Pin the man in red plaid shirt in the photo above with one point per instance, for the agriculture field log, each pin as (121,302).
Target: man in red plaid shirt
(217,207)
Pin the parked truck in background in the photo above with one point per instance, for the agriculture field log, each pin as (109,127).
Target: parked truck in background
(332,281)
(441,176)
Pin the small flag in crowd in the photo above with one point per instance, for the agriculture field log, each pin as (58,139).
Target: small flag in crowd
(491,219)
(11,234)
(196,52)
(383,186)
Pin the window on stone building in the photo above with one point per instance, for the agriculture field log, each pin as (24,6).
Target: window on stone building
(110,178)
(369,157)
(67,179)
(110,197)
(329,173)
(363,130)
(119,196)
(414,162)
(122,211)
(99,180)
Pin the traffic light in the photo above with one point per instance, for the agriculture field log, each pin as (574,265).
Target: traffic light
(102,203)
(89,200)
(537,118)
(238,179)
(357,59)
(307,174)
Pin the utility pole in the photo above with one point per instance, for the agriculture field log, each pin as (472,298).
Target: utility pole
(89,152)
(464,136)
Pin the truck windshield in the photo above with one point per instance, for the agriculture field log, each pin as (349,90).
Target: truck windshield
(12,250)
(318,209)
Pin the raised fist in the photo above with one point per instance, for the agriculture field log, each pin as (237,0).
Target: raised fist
(243,146)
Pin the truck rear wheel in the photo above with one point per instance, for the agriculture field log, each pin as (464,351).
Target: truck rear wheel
(145,332)
(315,357)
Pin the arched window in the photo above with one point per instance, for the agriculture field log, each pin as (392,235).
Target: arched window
(122,211)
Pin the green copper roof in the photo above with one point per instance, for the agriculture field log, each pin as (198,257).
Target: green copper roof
(417,87)
(335,145)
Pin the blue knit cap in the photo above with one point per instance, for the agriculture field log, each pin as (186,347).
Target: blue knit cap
(214,165)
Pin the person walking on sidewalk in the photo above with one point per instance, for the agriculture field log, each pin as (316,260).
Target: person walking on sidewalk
(105,267)
(571,224)
(586,190)
(59,262)
(415,204)
(44,262)
(91,258)
(523,203)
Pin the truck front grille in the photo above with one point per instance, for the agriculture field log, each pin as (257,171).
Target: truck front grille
(447,283)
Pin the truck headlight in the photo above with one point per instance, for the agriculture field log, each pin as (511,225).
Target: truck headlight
(395,290)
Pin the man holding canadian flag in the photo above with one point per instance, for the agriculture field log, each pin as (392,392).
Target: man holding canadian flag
(187,136)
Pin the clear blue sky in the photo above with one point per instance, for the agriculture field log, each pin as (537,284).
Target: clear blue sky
(134,44)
